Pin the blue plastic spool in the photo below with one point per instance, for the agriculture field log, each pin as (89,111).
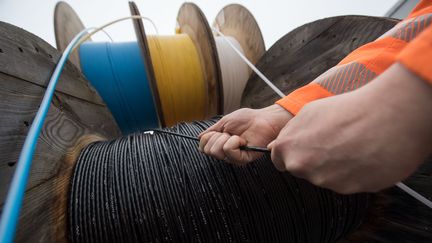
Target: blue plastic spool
(118,73)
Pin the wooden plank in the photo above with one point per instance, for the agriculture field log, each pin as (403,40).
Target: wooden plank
(19,103)
(63,128)
(76,112)
(22,50)
(308,51)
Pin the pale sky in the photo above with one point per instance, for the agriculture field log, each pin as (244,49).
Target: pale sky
(275,17)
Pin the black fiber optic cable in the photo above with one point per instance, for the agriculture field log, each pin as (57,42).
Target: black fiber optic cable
(158,188)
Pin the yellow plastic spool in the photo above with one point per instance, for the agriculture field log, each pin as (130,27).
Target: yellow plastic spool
(179,77)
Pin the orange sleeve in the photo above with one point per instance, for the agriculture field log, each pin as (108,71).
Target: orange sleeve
(423,7)
(368,61)
(417,56)
(298,98)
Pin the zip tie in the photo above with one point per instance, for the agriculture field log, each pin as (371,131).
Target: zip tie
(261,75)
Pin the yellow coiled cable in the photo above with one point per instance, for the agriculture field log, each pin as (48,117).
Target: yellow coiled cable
(179,77)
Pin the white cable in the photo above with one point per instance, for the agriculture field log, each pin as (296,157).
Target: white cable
(414,194)
(235,73)
(106,25)
(261,75)
(401,185)
(108,35)
(153,24)
(13,203)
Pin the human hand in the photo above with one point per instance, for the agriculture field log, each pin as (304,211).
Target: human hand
(362,141)
(243,127)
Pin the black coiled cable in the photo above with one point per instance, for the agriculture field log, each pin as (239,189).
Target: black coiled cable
(158,188)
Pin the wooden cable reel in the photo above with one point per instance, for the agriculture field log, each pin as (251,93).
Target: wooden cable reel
(189,16)
(76,117)
(192,22)
(66,26)
(239,25)
(236,21)
(308,51)
(297,59)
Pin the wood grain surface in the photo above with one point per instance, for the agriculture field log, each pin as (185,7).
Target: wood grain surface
(67,24)
(77,111)
(308,51)
(236,21)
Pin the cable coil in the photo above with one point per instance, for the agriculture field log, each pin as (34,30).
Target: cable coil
(179,77)
(235,73)
(118,72)
(158,187)
(120,75)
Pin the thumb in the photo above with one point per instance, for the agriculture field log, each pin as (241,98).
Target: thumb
(271,144)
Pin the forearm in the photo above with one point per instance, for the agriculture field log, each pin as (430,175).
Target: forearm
(367,62)
(402,92)
(362,141)
(277,116)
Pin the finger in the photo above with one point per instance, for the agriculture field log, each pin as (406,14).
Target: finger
(217,148)
(298,164)
(284,160)
(297,169)
(211,142)
(233,152)
(204,140)
(270,145)
(277,156)
(217,127)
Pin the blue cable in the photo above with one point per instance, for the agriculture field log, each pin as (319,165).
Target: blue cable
(118,73)
(16,192)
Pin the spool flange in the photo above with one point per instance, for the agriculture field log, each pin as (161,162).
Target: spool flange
(191,21)
(67,25)
(236,21)
(308,51)
(77,116)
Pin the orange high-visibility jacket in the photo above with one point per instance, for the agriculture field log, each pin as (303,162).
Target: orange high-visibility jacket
(409,43)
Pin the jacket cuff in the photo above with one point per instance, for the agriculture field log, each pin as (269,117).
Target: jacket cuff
(295,101)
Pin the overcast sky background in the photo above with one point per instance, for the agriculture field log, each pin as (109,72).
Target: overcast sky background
(275,17)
